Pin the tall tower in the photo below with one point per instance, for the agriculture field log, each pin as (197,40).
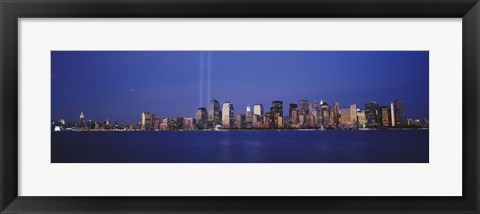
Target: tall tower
(291,107)
(258,110)
(228,117)
(146,121)
(303,107)
(277,108)
(214,116)
(353,113)
(383,116)
(372,111)
(392,114)
(249,116)
(398,104)
(336,113)
(82,118)
(201,118)
(336,107)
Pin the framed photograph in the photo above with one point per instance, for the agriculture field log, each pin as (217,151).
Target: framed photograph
(227,106)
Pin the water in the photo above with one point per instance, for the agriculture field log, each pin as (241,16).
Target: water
(407,146)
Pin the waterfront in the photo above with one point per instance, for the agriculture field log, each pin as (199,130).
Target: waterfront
(380,146)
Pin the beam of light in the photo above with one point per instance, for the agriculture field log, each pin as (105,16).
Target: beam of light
(200,101)
(209,76)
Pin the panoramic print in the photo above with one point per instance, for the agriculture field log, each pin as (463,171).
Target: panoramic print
(239,106)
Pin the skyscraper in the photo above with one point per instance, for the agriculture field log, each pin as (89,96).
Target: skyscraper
(82,119)
(277,107)
(336,107)
(362,119)
(291,107)
(294,116)
(249,116)
(228,117)
(392,115)
(279,122)
(399,117)
(154,122)
(384,116)
(345,119)
(258,110)
(303,107)
(240,121)
(316,115)
(336,113)
(332,123)
(214,116)
(325,114)
(353,113)
(146,120)
(372,113)
(201,118)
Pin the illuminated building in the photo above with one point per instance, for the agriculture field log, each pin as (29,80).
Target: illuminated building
(416,123)
(201,118)
(345,118)
(164,124)
(279,120)
(214,115)
(310,107)
(310,121)
(315,105)
(353,113)
(398,112)
(257,121)
(188,123)
(227,115)
(384,116)
(294,116)
(301,120)
(177,123)
(332,123)
(277,107)
(240,121)
(372,111)
(336,107)
(249,117)
(155,122)
(258,110)
(303,107)
(392,115)
(291,107)
(268,120)
(325,114)
(82,119)
(361,118)
(316,115)
(146,121)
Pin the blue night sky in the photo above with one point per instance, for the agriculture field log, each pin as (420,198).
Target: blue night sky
(119,85)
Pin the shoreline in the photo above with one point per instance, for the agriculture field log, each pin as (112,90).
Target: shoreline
(237,130)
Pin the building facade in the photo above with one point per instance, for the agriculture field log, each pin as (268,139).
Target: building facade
(228,117)
(201,118)
(214,115)
(146,121)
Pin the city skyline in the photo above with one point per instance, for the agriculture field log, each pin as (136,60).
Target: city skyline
(112,84)
(304,115)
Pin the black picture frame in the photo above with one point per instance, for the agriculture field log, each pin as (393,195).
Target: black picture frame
(11,10)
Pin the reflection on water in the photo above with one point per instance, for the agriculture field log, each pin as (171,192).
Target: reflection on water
(241,147)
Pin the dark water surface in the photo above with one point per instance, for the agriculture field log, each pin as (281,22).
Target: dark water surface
(406,146)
